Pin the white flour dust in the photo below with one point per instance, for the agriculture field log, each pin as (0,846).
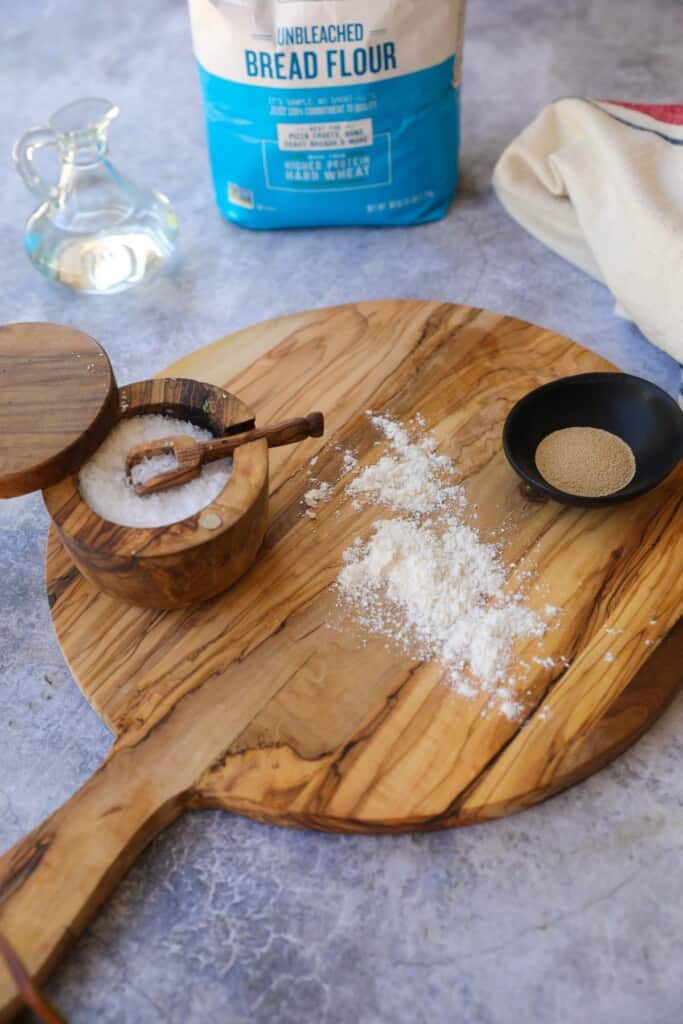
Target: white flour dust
(425,578)
(315,495)
(410,477)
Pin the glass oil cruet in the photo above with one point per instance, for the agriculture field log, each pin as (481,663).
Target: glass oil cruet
(94,230)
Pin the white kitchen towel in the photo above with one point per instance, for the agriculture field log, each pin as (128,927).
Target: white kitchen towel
(601,183)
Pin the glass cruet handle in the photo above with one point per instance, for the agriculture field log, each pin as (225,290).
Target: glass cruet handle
(23,152)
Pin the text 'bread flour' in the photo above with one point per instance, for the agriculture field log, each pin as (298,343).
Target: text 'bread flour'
(324,112)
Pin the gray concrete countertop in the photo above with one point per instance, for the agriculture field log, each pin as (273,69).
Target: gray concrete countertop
(571,911)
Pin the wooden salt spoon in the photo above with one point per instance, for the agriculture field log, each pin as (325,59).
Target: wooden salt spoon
(191,455)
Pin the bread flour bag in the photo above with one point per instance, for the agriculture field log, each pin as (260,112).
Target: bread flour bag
(331,111)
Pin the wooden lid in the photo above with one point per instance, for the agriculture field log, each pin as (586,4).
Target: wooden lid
(58,401)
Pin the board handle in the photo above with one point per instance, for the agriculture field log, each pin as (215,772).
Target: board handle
(53,881)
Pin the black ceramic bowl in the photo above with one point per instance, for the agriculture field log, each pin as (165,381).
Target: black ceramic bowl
(638,412)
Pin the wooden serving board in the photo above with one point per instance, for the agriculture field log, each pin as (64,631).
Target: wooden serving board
(259,703)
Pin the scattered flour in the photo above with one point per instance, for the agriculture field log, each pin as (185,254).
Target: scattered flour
(315,495)
(410,479)
(426,579)
(104,484)
(349,462)
(448,590)
(510,708)
(544,662)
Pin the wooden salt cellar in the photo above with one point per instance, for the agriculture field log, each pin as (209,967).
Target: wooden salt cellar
(59,402)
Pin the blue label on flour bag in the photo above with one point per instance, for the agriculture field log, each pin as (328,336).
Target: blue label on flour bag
(321,113)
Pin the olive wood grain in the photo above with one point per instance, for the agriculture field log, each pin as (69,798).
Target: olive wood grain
(58,401)
(269,701)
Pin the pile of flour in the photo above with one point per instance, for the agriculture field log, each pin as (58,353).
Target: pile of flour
(425,578)
(411,477)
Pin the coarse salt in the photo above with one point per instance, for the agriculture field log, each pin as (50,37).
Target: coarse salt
(153,466)
(104,483)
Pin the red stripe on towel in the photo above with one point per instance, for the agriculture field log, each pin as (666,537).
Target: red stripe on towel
(671,113)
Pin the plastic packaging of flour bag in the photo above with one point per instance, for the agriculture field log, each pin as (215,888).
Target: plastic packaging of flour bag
(327,112)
